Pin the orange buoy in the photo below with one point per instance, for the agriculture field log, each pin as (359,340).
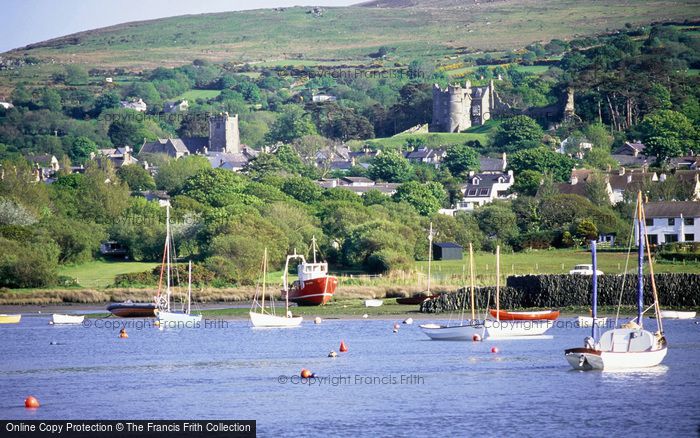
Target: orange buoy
(396,326)
(31,402)
(123,334)
(305,374)
(476,338)
(494,349)
(343,348)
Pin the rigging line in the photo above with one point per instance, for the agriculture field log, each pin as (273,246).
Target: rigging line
(657,308)
(624,275)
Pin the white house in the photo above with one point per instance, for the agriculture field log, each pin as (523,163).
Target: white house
(484,188)
(672,221)
(136,105)
(323,98)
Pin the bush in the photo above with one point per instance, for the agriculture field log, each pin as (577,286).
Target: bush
(387,261)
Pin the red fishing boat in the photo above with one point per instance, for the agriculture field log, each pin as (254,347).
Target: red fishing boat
(541,315)
(314,286)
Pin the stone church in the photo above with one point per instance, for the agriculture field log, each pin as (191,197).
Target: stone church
(457,108)
(222,147)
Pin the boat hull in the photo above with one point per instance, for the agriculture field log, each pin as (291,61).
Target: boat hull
(178,318)
(262,320)
(58,318)
(674,314)
(587,321)
(10,319)
(507,329)
(540,315)
(132,310)
(438,332)
(587,359)
(415,300)
(313,292)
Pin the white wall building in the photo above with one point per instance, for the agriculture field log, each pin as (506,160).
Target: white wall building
(674,221)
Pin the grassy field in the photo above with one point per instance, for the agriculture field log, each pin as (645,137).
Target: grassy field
(193,95)
(100,273)
(427,28)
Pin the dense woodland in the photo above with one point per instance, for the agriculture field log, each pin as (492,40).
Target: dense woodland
(634,84)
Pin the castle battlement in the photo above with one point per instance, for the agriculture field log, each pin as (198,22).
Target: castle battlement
(458,107)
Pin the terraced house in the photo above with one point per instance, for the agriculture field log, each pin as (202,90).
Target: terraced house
(669,222)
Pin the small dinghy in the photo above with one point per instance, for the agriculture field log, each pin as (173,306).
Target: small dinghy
(9,319)
(58,318)
(373,303)
(675,314)
(260,316)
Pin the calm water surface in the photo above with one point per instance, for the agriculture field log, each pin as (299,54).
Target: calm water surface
(230,371)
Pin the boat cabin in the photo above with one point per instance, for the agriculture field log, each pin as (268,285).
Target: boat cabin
(627,340)
(310,271)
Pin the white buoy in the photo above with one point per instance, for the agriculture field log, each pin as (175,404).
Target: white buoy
(332,354)
(317,320)
(365,316)
(408,321)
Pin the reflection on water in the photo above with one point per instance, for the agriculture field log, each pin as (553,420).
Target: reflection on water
(388,384)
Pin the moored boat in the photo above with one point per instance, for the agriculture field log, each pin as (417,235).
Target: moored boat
(630,347)
(10,319)
(128,309)
(465,331)
(58,318)
(261,317)
(539,315)
(373,303)
(314,286)
(676,314)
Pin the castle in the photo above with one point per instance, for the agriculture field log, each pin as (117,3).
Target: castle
(457,108)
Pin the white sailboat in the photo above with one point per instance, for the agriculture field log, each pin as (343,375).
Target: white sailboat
(262,317)
(629,347)
(518,329)
(165,316)
(465,331)
(58,318)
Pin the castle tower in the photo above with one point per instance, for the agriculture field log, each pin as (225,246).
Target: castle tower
(223,134)
(451,108)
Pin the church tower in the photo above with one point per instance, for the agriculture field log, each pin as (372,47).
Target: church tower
(223,134)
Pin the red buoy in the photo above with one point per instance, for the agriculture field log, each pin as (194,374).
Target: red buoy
(123,334)
(343,348)
(305,374)
(31,402)
(476,338)
(494,349)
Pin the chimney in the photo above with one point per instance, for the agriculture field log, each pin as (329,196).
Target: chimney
(629,178)
(622,170)
(510,173)
(574,180)
(471,173)
(505,161)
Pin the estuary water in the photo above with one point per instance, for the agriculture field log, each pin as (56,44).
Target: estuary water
(387,384)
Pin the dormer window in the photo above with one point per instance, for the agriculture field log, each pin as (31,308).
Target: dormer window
(475,181)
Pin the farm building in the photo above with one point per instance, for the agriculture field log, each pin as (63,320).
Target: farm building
(447,251)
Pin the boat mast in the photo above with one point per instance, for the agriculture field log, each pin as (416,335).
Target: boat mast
(189,289)
(262,303)
(640,260)
(313,246)
(430,253)
(167,260)
(594,298)
(498,283)
(471,279)
(654,292)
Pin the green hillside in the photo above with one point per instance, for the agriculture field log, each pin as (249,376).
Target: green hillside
(430,28)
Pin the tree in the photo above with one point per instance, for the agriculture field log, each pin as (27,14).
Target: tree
(542,160)
(81,149)
(76,74)
(518,132)
(172,175)
(51,100)
(128,132)
(497,221)
(461,159)
(289,159)
(136,177)
(668,134)
(390,167)
(109,100)
(217,188)
(292,124)
(302,189)
(78,241)
(426,198)
(527,183)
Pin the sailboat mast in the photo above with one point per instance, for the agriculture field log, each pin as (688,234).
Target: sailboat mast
(264,282)
(471,279)
(430,253)
(189,288)
(640,260)
(498,283)
(313,244)
(167,260)
(594,298)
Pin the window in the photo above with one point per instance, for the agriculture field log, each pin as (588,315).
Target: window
(483,192)
(689,237)
(472,192)
(689,221)
(653,239)
(671,221)
(670,238)
(649,222)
